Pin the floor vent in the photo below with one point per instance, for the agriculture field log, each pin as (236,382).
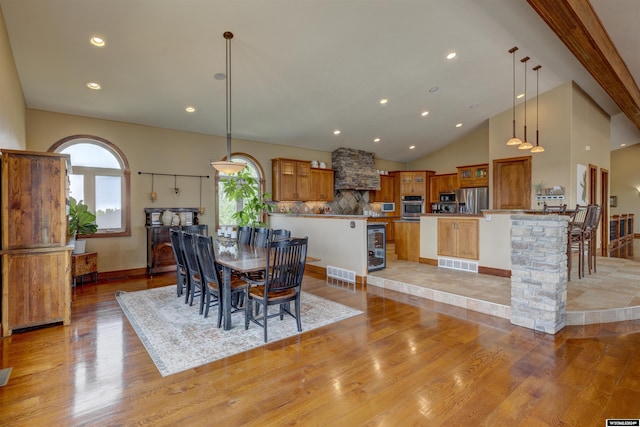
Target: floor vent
(458,264)
(341,274)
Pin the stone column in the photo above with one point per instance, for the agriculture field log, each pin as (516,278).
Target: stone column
(539,272)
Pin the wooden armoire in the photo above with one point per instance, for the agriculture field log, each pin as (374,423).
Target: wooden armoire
(36,261)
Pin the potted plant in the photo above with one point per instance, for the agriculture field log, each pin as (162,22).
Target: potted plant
(243,186)
(81,223)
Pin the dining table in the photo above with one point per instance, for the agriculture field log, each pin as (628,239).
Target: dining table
(238,258)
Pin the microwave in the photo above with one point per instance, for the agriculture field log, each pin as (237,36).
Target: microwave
(388,207)
(447,197)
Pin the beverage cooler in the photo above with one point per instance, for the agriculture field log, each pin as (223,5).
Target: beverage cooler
(376,246)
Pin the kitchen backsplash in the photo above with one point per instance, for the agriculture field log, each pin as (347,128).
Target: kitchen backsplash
(345,202)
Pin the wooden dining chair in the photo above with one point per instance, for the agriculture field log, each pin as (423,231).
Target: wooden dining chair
(182,284)
(244,234)
(591,236)
(193,269)
(260,237)
(575,239)
(280,233)
(212,282)
(285,263)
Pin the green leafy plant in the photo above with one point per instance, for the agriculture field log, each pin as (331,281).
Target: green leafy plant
(81,221)
(246,188)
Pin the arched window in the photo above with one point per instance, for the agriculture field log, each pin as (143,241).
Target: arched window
(100,177)
(226,208)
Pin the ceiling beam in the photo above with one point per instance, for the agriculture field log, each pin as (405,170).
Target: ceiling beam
(578,26)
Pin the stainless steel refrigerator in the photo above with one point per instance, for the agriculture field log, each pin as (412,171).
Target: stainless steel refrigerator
(472,200)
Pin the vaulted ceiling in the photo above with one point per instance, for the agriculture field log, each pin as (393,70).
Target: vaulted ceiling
(304,68)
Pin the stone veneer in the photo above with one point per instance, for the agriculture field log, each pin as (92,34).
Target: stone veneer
(539,272)
(354,170)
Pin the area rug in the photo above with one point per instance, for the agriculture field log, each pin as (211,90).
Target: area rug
(178,338)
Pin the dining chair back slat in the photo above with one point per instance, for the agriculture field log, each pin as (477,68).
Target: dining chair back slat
(181,268)
(244,234)
(193,268)
(261,237)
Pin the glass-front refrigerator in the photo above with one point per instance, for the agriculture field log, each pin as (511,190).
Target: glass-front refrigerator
(376,246)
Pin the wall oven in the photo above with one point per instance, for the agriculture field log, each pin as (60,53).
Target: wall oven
(412,207)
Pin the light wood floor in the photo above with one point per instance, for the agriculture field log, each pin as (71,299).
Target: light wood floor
(406,361)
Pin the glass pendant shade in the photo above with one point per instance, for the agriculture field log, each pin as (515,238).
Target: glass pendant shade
(514,141)
(537,149)
(228,167)
(525,146)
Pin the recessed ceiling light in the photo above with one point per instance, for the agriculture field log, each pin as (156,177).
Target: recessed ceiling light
(376,140)
(520,96)
(424,113)
(433,89)
(219,76)
(336,132)
(459,125)
(94,86)
(622,145)
(97,41)
(383,101)
(474,106)
(451,55)
(411,147)
(190,109)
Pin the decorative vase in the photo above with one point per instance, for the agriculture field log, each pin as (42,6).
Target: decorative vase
(175,220)
(183,218)
(167,217)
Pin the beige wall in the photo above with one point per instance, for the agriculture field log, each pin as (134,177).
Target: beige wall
(150,149)
(625,182)
(472,149)
(12,105)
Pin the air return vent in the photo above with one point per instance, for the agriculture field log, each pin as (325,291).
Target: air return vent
(458,264)
(341,274)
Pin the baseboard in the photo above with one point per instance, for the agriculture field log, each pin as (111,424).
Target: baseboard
(122,274)
(429,261)
(494,271)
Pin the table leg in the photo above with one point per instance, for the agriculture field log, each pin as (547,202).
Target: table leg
(226,298)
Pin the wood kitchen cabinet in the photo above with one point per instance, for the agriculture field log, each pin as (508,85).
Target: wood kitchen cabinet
(36,271)
(445,183)
(386,192)
(458,237)
(321,185)
(473,176)
(413,183)
(291,180)
(407,234)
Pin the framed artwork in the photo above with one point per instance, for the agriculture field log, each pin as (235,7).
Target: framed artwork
(581,193)
(188,218)
(155,218)
(613,201)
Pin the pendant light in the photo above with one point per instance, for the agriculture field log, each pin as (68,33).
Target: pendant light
(538,148)
(514,140)
(525,145)
(228,167)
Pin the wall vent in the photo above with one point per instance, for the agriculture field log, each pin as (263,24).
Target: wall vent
(458,264)
(341,274)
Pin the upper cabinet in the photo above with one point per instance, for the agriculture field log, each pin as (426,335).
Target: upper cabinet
(386,193)
(446,183)
(291,180)
(413,183)
(34,199)
(321,185)
(473,176)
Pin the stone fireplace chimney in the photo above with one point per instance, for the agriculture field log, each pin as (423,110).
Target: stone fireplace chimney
(354,170)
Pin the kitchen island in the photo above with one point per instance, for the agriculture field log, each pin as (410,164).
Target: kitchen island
(336,240)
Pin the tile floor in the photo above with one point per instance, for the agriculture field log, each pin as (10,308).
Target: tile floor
(611,294)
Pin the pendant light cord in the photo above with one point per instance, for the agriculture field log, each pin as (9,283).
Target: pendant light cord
(228,36)
(524,61)
(513,110)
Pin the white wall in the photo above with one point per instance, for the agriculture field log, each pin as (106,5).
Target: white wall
(330,238)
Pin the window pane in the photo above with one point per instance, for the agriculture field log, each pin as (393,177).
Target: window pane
(76,186)
(108,202)
(226,208)
(91,155)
